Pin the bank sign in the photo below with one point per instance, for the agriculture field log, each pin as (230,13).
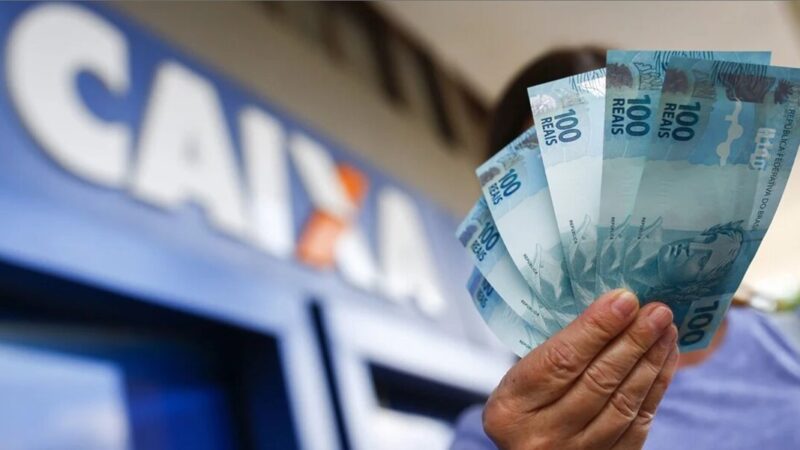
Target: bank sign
(125,163)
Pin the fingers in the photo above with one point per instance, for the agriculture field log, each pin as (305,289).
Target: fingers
(635,435)
(606,373)
(625,403)
(549,371)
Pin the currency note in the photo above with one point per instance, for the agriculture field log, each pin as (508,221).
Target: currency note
(724,146)
(568,115)
(515,189)
(633,94)
(481,238)
(507,325)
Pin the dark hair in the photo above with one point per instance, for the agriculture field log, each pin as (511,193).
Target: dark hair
(513,109)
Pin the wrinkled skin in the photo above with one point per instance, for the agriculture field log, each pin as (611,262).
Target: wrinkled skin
(594,385)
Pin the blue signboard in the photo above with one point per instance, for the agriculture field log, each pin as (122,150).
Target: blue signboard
(128,165)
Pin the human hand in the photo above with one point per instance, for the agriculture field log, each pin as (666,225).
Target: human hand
(596,384)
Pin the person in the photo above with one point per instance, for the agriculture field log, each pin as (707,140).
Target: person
(601,382)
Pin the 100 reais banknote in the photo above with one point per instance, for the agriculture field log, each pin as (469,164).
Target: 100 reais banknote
(632,116)
(516,193)
(660,174)
(568,115)
(710,187)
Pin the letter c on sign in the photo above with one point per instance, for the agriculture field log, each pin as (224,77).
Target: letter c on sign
(47,48)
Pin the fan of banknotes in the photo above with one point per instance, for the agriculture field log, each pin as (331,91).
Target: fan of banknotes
(660,174)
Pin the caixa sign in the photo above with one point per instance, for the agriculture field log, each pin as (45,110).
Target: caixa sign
(155,129)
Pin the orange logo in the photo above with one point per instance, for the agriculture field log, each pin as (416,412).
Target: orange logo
(317,243)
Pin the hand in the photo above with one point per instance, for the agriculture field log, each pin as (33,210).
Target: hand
(596,384)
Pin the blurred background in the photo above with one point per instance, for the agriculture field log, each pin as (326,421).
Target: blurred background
(230,225)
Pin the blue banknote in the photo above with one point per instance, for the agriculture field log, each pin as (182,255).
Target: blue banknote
(515,189)
(481,238)
(568,115)
(633,93)
(724,146)
(507,325)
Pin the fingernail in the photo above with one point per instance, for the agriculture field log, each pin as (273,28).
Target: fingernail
(668,338)
(624,304)
(660,317)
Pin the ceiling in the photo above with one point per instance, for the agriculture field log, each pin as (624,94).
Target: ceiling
(487,42)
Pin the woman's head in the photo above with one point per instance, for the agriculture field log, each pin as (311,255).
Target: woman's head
(512,114)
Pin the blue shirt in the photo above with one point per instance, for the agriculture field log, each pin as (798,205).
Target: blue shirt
(746,395)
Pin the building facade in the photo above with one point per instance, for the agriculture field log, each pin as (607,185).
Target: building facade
(216,236)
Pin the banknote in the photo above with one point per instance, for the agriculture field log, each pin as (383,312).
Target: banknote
(515,189)
(507,325)
(480,237)
(633,94)
(722,152)
(568,115)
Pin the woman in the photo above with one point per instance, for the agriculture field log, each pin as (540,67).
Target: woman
(597,383)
